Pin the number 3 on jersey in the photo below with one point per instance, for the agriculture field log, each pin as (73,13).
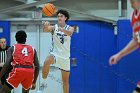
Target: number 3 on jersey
(25,51)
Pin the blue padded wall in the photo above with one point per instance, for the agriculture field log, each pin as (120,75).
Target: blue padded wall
(92,47)
(5,25)
(129,65)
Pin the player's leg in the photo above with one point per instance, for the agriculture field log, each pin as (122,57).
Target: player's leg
(137,89)
(28,80)
(4,81)
(25,91)
(65,79)
(6,88)
(46,67)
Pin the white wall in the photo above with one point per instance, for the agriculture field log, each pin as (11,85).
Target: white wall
(31,33)
(40,40)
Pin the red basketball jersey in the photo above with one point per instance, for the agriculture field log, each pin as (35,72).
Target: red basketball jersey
(136,24)
(136,21)
(23,55)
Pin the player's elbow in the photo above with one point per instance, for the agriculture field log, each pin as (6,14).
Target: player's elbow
(37,66)
(37,70)
(69,34)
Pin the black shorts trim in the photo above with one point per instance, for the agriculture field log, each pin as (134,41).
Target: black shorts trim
(8,85)
(64,70)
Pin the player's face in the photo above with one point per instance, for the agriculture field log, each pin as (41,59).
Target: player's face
(61,18)
(135,4)
(3,43)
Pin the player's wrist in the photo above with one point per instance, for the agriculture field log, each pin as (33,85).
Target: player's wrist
(62,30)
(119,56)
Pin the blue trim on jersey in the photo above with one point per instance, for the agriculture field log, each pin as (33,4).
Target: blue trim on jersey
(52,45)
(65,27)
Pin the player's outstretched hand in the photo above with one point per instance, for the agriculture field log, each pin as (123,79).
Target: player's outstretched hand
(114,59)
(46,23)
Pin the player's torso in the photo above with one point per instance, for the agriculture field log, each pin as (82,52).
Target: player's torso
(136,21)
(136,25)
(61,42)
(23,55)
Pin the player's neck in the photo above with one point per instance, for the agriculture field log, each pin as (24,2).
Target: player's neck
(62,25)
(21,43)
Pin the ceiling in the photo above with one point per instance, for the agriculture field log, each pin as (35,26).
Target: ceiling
(79,9)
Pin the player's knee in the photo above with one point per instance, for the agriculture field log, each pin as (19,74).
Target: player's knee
(49,60)
(65,81)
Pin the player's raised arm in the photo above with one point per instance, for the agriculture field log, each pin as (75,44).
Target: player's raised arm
(130,47)
(67,32)
(47,27)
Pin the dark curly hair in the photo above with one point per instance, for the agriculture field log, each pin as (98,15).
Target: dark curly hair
(64,12)
(21,36)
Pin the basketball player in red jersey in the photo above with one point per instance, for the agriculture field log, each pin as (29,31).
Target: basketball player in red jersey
(135,42)
(25,65)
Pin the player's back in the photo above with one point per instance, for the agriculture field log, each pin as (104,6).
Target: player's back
(23,55)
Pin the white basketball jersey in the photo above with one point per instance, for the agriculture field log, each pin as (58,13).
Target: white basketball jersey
(61,43)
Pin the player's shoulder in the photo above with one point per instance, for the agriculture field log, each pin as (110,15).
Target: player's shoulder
(23,45)
(67,27)
(10,48)
(131,15)
(71,28)
(29,46)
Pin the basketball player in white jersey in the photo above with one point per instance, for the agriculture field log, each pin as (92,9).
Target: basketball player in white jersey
(60,52)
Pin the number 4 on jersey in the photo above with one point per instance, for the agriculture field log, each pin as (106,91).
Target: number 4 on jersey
(25,51)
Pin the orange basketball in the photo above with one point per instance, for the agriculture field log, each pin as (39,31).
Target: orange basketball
(48,9)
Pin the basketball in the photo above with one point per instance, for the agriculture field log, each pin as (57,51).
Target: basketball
(48,9)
